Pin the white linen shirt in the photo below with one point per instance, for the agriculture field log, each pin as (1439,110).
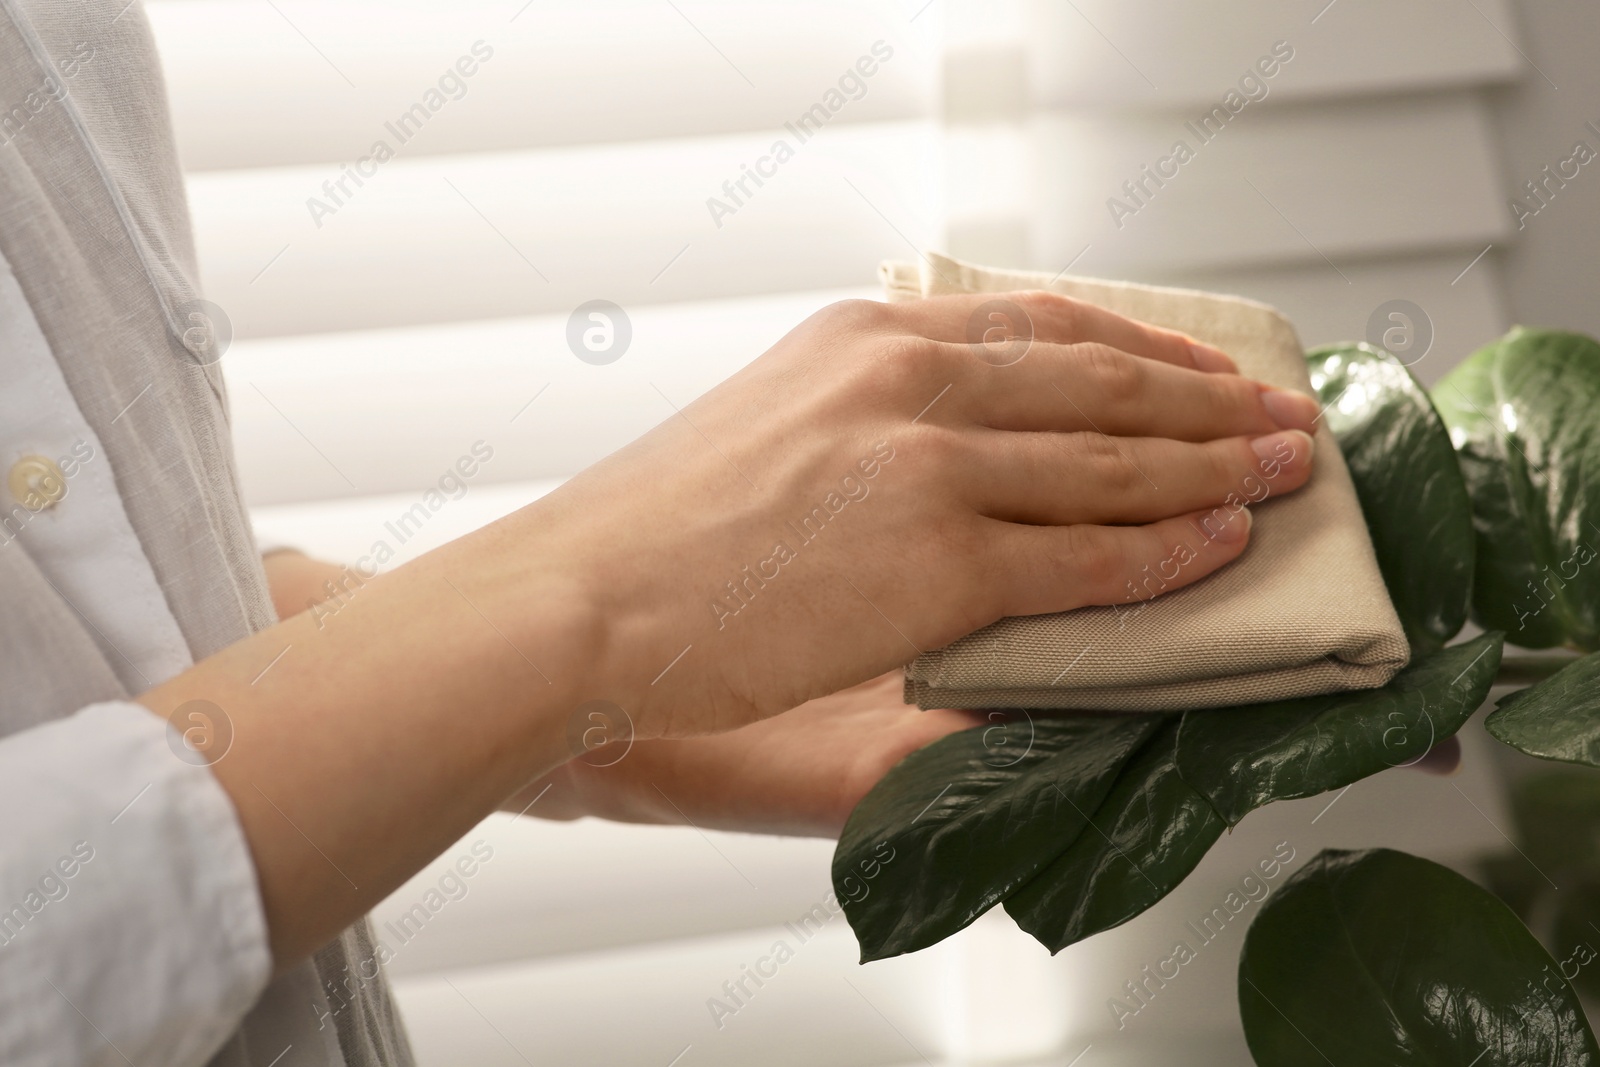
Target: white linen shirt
(131,924)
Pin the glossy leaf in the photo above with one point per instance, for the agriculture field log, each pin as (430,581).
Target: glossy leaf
(956,826)
(1151,830)
(1383,958)
(1524,416)
(1410,486)
(1557,719)
(1242,758)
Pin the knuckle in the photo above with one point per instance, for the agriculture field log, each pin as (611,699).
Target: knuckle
(900,360)
(856,314)
(1093,560)
(1115,475)
(1065,313)
(1120,477)
(1233,398)
(1119,376)
(1212,465)
(941,453)
(1097,458)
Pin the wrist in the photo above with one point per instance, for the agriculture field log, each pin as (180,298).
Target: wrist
(601,625)
(538,621)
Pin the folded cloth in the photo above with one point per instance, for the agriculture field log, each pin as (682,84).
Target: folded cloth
(1304,611)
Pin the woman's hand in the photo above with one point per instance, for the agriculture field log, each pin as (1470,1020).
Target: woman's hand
(868,488)
(297,582)
(798,773)
(871,487)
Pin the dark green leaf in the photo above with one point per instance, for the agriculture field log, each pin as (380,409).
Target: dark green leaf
(1148,834)
(1156,824)
(1383,958)
(958,825)
(1558,719)
(1524,415)
(1410,487)
(1241,758)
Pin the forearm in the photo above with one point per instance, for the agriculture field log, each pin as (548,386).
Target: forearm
(703,586)
(386,732)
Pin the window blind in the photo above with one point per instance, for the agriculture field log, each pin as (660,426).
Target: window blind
(390,313)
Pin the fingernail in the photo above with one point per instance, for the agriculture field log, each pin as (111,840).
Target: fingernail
(1290,409)
(1232,529)
(1284,448)
(1211,360)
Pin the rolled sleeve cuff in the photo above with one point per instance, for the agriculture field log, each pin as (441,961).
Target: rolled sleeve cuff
(131,923)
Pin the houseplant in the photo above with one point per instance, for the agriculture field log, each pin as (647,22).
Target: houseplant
(1477,500)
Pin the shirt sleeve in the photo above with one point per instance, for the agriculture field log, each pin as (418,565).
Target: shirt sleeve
(131,925)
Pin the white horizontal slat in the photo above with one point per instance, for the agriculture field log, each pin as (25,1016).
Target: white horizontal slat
(389,411)
(392,410)
(466,237)
(298,81)
(347,529)
(557,888)
(648,1006)
(1170,52)
(1304,184)
(1550,273)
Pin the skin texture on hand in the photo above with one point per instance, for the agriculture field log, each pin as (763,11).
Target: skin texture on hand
(868,488)
(297,582)
(800,773)
(871,488)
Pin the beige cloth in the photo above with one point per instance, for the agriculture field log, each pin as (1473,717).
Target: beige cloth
(1303,611)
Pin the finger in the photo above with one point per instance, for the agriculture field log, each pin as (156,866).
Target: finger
(1061,479)
(970,318)
(1092,386)
(1059,568)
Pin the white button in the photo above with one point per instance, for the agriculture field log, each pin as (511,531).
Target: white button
(37,483)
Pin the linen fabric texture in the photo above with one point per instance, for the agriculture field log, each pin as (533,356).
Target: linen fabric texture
(170,958)
(1303,611)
